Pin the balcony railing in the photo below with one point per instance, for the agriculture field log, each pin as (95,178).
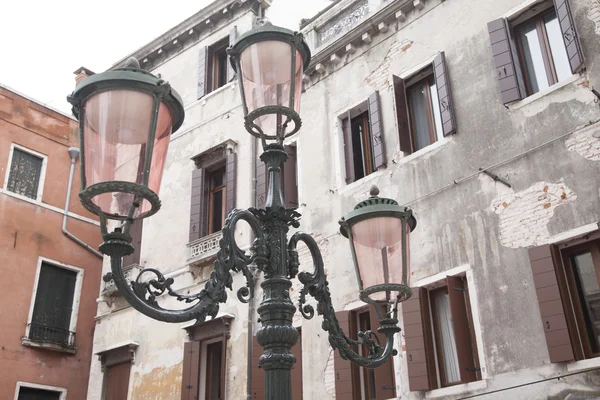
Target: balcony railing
(130,272)
(51,334)
(203,249)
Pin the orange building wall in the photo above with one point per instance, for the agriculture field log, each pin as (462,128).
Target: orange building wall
(28,231)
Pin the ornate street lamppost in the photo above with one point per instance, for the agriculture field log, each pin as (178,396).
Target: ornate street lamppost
(129,114)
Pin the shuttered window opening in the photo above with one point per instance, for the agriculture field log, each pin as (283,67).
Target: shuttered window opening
(289,179)
(25,173)
(353,382)
(135,230)
(440,340)
(26,393)
(213,196)
(214,68)
(567,282)
(53,307)
(424,108)
(116,364)
(535,50)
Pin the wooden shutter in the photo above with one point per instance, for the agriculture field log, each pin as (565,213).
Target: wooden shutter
(546,265)
(442,82)
(376,131)
(297,368)
(230,183)
(506,60)
(348,151)
(385,384)
(233,34)
(402,115)
(197,215)
(290,178)
(202,72)
(570,37)
(117,381)
(135,230)
(258,374)
(343,368)
(462,333)
(419,343)
(191,370)
(261,184)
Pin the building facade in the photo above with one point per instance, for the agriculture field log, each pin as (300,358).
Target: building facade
(51,282)
(480,115)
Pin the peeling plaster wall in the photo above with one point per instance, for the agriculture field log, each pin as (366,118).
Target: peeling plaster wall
(545,147)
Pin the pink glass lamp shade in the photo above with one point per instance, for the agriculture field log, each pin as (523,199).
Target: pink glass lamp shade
(126,119)
(379,231)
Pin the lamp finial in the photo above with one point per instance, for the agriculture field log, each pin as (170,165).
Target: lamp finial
(374,191)
(132,62)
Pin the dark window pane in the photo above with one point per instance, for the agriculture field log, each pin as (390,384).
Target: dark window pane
(557,46)
(418,103)
(589,295)
(358,146)
(534,59)
(218,178)
(221,65)
(24,177)
(37,394)
(217,211)
(213,375)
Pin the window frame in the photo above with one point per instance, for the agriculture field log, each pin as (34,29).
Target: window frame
(213,70)
(21,384)
(40,188)
(203,368)
(424,78)
(75,308)
(365,138)
(212,191)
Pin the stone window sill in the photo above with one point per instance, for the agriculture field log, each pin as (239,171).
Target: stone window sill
(48,346)
(577,366)
(534,97)
(456,390)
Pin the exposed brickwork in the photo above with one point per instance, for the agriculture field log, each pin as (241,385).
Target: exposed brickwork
(584,143)
(594,14)
(524,215)
(379,78)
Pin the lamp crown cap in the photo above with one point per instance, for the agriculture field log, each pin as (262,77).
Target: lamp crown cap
(132,62)
(374,191)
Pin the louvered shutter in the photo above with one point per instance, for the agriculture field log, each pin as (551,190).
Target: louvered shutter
(223,372)
(402,115)
(197,205)
(419,345)
(385,386)
(135,230)
(570,37)
(230,182)
(343,368)
(442,83)
(202,72)
(506,60)
(376,127)
(348,152)
(258,374)
(261,184)
(554,321)
(462,334)
(191,370)
(233,34)
(296,373)
(290,178)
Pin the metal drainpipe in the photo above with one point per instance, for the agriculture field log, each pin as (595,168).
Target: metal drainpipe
(74,153)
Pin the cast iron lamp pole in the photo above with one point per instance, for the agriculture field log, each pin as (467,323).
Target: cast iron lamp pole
(126,117)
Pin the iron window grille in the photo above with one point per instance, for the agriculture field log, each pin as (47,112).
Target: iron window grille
(24,175)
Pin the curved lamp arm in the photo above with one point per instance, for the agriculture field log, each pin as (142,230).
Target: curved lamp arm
(317,286)
(142,293)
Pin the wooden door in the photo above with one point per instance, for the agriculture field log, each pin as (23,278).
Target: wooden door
(117,381)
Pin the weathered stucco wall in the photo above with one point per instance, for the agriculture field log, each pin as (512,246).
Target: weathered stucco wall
(464,218)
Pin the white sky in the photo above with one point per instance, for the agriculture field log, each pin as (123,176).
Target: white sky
(45,41)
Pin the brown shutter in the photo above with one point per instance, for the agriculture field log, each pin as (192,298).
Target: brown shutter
(233,33)
(191,370)
(419,344)
(117,381)
(297,368)
(258,374)
(230,183)
(290,178)
(261,184)
(402,115)
(546,264)
(135,230)
(462,333)
(442,82)
(570,37)
(348,152)
(202,72)
(197,217)
(385,384)
(376,131)
(506,60)
(223,364)
(343,368)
